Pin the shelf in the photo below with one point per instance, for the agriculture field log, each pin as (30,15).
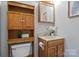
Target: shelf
(17,28)
(19,12)
(20,40)
(17,4)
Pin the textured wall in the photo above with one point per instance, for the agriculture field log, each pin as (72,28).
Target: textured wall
(4,29)
(69,28)
(0,29)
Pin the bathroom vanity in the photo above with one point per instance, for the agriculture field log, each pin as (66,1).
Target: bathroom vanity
(51,46)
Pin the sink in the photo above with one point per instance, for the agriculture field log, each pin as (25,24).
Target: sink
(50,37)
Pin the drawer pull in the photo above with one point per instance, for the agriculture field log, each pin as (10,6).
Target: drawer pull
(61,49)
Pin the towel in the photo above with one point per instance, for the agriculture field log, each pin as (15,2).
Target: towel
(41,45)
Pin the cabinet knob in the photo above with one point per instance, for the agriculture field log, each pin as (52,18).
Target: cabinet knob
(21,20)
(61,48)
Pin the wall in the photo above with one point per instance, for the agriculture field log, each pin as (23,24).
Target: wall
(39,27)
(0,29)
(69,28)
(4,29)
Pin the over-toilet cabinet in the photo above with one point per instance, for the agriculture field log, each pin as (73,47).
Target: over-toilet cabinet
(20,21)
(52,48)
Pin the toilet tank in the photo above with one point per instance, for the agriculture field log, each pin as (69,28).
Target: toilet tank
(21,50)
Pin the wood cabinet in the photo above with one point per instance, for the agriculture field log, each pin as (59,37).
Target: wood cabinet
(19,20)
(52,51)
(52,48)
(60,50)
(14,20)
(28,22)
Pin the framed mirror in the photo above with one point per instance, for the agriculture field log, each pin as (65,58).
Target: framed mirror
(46,12)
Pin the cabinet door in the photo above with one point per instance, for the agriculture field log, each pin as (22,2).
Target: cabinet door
(24,18)
(14,20)
(19,21)
(41,52)
(10,18)
(52,51)
(61,50)
(28,21)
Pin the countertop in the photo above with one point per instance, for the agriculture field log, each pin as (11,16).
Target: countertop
(48,38)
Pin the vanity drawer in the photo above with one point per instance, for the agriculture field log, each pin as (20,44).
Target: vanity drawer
(60,41)
(43,41)
(52,43)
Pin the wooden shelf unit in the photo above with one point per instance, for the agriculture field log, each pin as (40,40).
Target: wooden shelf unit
(20,40)
(21,19)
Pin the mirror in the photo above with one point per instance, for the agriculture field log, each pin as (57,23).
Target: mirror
(46,12)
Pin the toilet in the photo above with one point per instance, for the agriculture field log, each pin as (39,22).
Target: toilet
(21,50)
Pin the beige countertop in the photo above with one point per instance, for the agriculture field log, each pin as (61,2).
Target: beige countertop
(48,38)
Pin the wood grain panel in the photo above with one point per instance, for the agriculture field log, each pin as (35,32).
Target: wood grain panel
(20,40)
(21,5)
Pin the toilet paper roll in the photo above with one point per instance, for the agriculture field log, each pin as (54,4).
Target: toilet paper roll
(41,45)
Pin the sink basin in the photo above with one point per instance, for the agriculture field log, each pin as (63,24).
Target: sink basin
(47,38)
